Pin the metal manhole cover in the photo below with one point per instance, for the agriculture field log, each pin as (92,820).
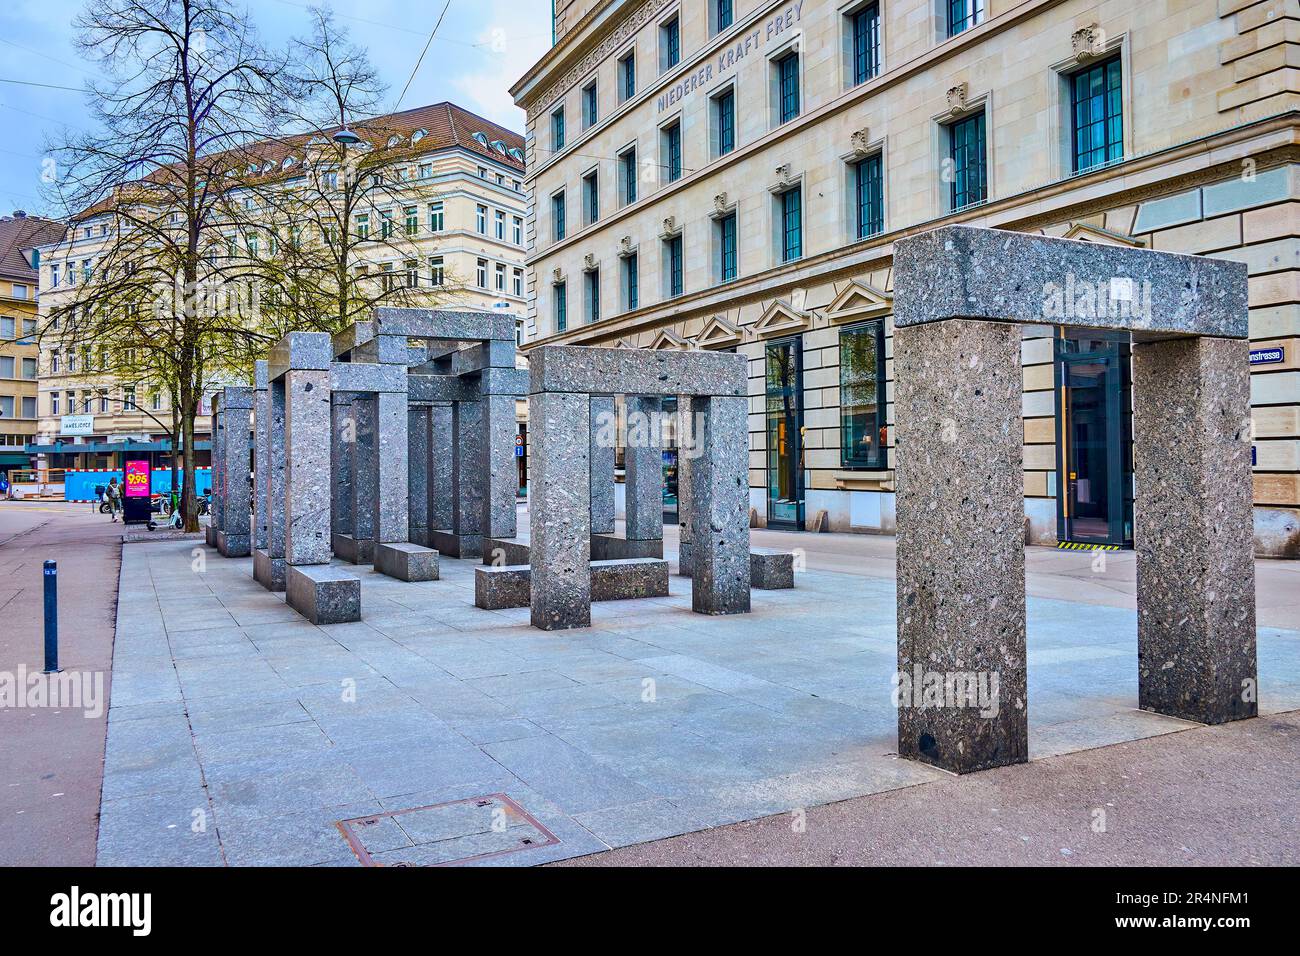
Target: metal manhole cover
(446,834)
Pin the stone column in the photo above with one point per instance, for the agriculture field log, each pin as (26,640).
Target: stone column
(268,562)
(560,509)
(307,467)
(215,507)
(417,472)
(440,467)
(342,446)
(1193,531)
(603,442)
(467,479)
(961,561)
(687,448)
(390,467)
(644,507)
(720,507)
(261,450)
(497,466)
(359,546)
(234,537)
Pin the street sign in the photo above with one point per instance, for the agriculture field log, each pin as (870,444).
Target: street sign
(1268,356)
(77,425)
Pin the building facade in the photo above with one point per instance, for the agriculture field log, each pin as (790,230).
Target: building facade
(457,199)
(733,174)
(20,234)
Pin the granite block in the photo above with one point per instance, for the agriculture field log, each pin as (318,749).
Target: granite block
(346,547)
(440,461)
(305,351)
(604,434)
(497,465)
(468,478)
(232,545)
(268,571)
(615,547)
(720,507)
(274,486)
(406,562)
(643,460)
(429,389)
(323,594)
(455,545)
(503,551)
(261,451)
(367,377)
(417,472)
(498,587)
(445,324)
(342,455)
(998,275)
(770,569)
(508,586)
(603,371)
(392,445)
(307,472)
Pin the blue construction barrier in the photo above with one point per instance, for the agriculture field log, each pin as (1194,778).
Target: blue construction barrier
(79,485)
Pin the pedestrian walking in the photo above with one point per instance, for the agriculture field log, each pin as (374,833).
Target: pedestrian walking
(114,497)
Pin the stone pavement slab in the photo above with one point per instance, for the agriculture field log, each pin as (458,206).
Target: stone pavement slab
(653,722)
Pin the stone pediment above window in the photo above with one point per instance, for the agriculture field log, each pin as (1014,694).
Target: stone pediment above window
(1086,233)
(624,344)
(780,319)
(718,333)
(859,300)
(668,340)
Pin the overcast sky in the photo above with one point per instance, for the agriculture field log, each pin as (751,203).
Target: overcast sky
(482,47)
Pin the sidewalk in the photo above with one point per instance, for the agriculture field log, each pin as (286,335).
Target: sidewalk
(51,761)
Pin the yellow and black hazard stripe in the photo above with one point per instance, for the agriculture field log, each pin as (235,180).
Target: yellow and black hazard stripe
(1084,546)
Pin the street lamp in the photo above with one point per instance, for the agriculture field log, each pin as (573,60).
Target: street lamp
(345,137)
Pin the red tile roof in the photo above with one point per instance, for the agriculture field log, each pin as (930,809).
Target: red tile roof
(23,232)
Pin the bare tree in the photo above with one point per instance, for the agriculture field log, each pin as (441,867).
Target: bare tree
(152,194)
(341,231)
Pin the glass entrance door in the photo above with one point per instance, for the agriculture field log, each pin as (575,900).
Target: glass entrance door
(785,466)
(1095,477)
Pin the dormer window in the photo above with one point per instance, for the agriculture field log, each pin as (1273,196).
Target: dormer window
(418,135)
(499,146)
(481,139)
(393,140)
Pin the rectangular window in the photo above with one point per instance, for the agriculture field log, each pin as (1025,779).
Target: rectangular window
(29,406)
(499,224)
(560,292)
(385,225)
(29,369)
(412,267)
(54,277)
(54,403)
(437,271)
(501,277)
(791,224)
(412,215)
(863,432)
(435,216)
(590,197)
(557,129)
(964,14)
(722,15)
(19,291)
(674,253)
(1098,113)
(480,219)
(672,152)
(590,106)
(869,198)
(557,216)
(724,121)
(156,400)
(966,150)
(517,231)
(627,160)
(787,73)
(627,76)
(866,43)
(481,273)
(631,282)
(517,283)
(593,295)
(727,248)
(8,329)
(670,44)
(363,225)
(7,366)
(426,170)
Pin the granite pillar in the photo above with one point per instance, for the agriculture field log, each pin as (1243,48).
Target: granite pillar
(1194,529)
(500,475)
(307,467)
(468,481)
(720,506)
(234,536)
(391,446)
(644,499)
(560,510)
(417,473)
(359,546)
(261,450)
(604,428)
(440,467)
(686,451)
(961,562)
(268,562)
(342,442)
(217,495)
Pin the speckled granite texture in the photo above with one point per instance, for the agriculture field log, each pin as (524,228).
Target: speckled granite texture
(975,273)
(602,465)
(417,473)
(323,594)
(720,506)
(234,538)
(307,471)
(1194,537)
(560,509)
(498,467)
(509,586)
(261,450)
(643,463)
(961,564)
(771,570)
(406,561)
(599,371)
(342,447)
(391,450)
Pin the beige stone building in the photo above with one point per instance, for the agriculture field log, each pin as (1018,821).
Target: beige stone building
(20,234)
(733,174)
(460,207)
